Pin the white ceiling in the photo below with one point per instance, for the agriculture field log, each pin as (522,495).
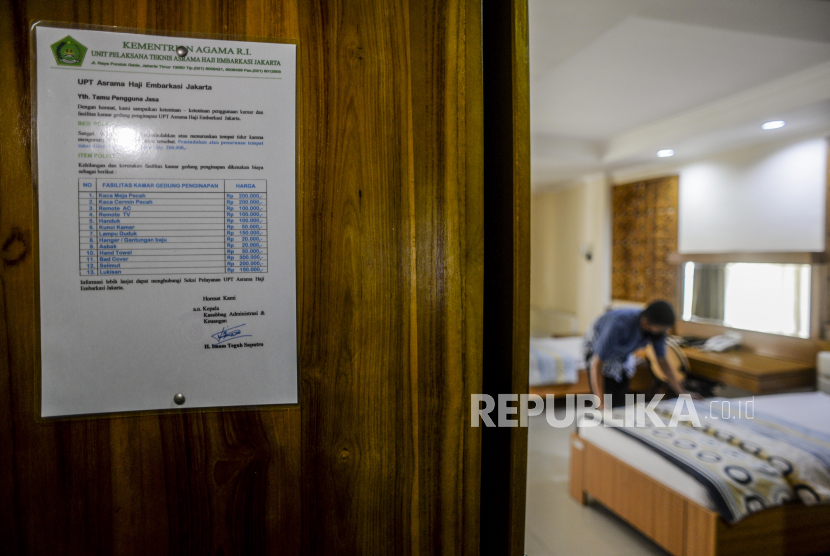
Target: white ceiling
(614,80)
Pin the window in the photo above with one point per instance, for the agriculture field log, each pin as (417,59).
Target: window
(764,297)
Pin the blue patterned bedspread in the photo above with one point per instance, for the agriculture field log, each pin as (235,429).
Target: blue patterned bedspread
(746,464)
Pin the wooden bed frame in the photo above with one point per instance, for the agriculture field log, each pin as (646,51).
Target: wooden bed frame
(685,528)
(641,382)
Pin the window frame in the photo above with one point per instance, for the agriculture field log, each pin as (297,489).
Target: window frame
(818,284)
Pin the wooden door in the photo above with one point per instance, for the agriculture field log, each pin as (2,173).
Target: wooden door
(379,458)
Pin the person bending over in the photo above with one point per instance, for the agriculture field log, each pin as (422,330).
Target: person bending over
(612,340)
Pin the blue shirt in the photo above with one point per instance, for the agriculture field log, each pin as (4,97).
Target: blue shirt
(616,335)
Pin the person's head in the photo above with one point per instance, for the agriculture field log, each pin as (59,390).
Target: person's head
(657,319)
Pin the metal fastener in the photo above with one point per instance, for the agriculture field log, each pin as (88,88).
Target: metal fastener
(178,399)
(181,51)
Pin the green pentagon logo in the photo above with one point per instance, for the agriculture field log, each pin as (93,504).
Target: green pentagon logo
(69,52)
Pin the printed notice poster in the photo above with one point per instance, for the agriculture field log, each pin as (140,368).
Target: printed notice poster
(166,206)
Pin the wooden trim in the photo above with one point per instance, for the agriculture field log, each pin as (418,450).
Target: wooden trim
(818,278)
(473,297)
(641,382)
(675,177)
(506,328)
(581,386)
(818,297)
(520,76)
(780,258)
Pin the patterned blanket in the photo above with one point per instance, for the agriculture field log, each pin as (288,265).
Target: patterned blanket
(746,464)
(550,363)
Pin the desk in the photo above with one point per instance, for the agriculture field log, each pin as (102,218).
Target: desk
(743,369)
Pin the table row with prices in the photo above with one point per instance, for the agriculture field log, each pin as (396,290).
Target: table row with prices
(172,226)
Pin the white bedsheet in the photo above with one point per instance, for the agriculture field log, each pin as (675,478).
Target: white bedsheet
(810,410)
(555,360)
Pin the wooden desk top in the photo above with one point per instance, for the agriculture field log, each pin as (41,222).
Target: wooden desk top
(745,361)
(750,371)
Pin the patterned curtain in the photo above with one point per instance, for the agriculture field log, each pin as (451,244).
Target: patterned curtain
(644,232)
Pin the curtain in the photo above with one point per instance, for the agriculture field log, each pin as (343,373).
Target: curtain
(709,292)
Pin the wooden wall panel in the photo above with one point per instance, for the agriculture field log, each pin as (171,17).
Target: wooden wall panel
(644,234)
(355,278)
(379,458)
(397,348)
(202,482)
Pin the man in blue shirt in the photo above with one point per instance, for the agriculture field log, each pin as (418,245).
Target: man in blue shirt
(611,342)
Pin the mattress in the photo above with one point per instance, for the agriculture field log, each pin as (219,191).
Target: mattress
(810,410)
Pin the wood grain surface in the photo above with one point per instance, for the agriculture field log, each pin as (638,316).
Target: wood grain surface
(644,234)
(776,346)
(750,371)
(379,458)
(391,278)
(198,482)
(684,527)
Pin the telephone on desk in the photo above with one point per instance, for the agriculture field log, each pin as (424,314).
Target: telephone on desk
(723,342)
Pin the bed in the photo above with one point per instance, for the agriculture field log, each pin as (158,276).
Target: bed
(555,360)
(557,364)
(675,510)
(557,367)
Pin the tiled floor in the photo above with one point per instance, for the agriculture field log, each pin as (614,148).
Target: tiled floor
(555,524)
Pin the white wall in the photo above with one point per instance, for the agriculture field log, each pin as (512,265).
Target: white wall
(555,227)
(594,287)
(565,224)
(768,198)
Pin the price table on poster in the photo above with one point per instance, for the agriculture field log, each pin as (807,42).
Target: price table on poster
(157,226)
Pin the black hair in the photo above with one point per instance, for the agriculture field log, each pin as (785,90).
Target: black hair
(659,313)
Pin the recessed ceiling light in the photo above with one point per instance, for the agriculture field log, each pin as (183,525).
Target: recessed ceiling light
(665,152)
(773,125)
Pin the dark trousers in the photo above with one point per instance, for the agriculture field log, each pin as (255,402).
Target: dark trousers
(618,390)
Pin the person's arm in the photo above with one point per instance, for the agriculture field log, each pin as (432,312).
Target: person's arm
(668,370)
(595,376)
